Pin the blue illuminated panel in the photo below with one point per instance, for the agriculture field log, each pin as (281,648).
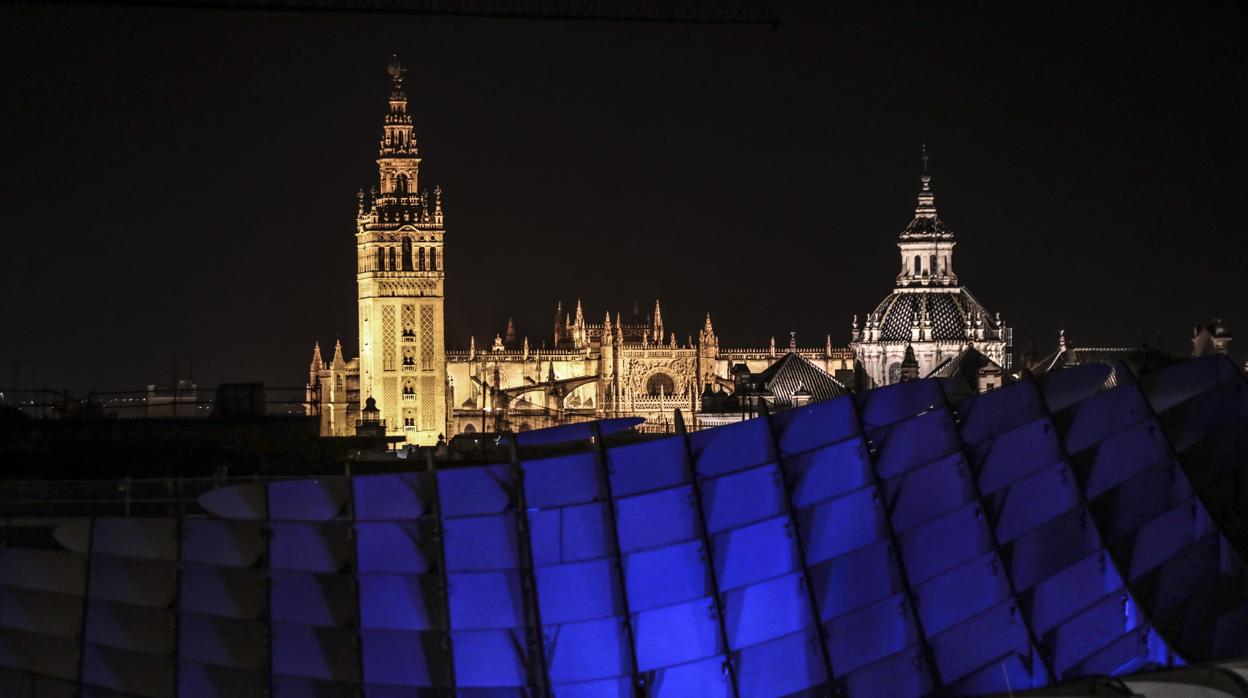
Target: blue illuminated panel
(897,542)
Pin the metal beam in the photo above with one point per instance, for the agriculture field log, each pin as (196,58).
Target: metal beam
(695,480)
(742,12)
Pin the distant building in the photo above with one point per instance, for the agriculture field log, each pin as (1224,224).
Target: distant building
(612,368)
(930,325)
(1213,338)
(792,381)
(1141,360)
(930,316)
(401,272)
(423,390)
(179,401)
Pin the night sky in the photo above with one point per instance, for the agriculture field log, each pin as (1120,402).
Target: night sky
(183,183)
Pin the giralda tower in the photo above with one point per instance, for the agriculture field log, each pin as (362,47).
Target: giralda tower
(401,273)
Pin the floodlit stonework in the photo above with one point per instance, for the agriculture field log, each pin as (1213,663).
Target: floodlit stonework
(424,391)
(930,322)
(614,368)
(401,276)
(621,366)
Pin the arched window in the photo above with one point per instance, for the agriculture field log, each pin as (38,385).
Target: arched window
(931,265)
(392,265)
(918,265)
(407,254)
(381,259)
(433,259)
(894,373)
(421,258)
(660,383)
(945,266)
(400,184)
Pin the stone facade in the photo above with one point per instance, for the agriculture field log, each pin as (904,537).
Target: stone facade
(930,317)
(425,392)
(929,325)
(607,369)
(400,275)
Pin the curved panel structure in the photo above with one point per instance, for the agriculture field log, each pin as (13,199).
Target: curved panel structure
(890,543)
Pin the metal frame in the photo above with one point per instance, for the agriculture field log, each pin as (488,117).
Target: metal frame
(791,509)
(358,618)
(444,585)
(638,681)
(86,600)
(751,12)
(691,471)
(528,580)
(1032,636)
(1145,614)
(929,656)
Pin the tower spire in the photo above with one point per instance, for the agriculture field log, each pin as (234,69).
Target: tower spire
(398,159)
(926,245)
(317,363)
(390,257)
(927,200)
(397,132)
(580,335)
(338,360)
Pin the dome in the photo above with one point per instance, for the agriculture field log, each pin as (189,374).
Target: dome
(946,311)
(927,228)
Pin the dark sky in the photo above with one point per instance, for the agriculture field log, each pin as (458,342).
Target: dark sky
(183,183)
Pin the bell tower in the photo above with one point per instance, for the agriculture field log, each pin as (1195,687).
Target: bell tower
(926,245)
(401,274)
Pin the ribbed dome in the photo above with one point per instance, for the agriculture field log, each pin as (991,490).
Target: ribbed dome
(926,227)
(946,312)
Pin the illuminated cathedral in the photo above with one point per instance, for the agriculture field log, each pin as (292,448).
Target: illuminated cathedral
(618,366)
(931,325)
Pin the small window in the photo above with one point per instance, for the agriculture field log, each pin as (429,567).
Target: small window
(400,184)
(932,265)
(392,265)
(433,259)
(407,254)
(421,258)
(381,259)
(918,265)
